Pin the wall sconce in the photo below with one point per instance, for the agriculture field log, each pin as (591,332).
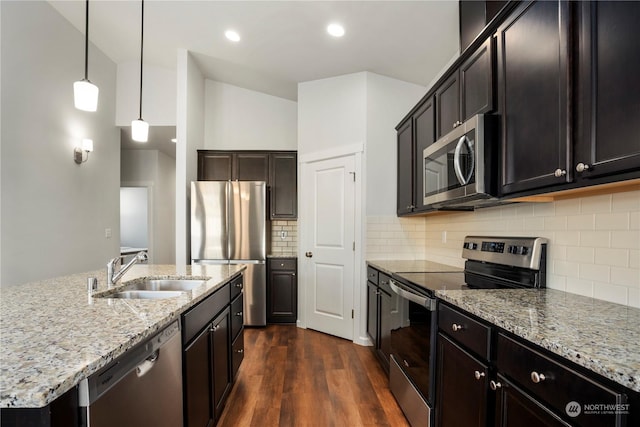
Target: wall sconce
(81,154)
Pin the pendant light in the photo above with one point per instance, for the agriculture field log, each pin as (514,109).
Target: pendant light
(140,128)
(85,93)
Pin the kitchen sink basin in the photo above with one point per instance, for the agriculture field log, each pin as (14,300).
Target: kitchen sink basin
(136,294)
(156,285)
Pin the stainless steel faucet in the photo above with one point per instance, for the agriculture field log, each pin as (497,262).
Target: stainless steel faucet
(113,276)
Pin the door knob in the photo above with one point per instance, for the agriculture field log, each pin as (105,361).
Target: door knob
(308,254)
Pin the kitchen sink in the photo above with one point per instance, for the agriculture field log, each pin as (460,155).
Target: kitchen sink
(136,294)
(150,288)
(156,285)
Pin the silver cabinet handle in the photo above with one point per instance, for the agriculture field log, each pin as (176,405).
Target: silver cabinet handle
(581,167)
(239,314)
(456,124)
(559,173)
(214,328)
(239,285)
(308,254)
(537,378)
(240,351)
(478,374)
(410,207)
(456,327)
(495,385)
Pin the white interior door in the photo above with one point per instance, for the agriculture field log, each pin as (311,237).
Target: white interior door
(329,261)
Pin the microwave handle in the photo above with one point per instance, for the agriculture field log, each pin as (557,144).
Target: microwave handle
(456,161)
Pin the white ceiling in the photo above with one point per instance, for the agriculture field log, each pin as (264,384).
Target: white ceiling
(283,42)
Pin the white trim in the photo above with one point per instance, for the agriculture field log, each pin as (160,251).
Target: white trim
(332,153)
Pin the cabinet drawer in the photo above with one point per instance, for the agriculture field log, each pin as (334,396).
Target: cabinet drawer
(372,275)
(237,317)
(282,263)
(237,353)
(236,286)
(553,383)
(200,315)
(469,332)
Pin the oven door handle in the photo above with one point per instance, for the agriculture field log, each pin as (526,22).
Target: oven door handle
(428,303)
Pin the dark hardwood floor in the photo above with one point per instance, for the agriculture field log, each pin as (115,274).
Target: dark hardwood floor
(297,377)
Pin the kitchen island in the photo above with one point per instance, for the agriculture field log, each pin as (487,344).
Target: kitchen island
(53,333)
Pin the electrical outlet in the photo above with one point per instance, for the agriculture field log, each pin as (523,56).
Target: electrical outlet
(107,233)
(283,234)
(444,237)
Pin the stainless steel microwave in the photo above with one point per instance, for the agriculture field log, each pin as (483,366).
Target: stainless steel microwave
(460,170)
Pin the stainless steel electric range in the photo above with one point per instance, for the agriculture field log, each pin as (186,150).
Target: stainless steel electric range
(491,262)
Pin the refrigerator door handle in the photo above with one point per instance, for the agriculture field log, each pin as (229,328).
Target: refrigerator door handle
(246,261)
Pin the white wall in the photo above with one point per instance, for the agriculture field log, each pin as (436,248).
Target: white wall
(156,171)
(243,119)
(158,94)
(190,135)
(388,101)
(332,113)
(54,212)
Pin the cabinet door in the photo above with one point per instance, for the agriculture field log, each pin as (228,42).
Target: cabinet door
(282,295)
(372,313)
(405,168)
(386,302)
(462,387)
(448,106)
(533,57)
(198,400)
(514,408)
(424,121)
(214,166)
(284,185)
(609,124)
(251,167)
(476,82)
(220,363)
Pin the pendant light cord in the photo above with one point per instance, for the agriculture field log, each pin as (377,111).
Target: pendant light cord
(141,45)
(86,42)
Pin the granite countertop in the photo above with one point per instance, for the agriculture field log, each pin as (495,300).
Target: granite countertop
(601,336)
(283,255)
(53,334)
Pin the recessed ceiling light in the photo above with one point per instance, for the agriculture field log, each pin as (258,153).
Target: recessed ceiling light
(336,30)
(232,35)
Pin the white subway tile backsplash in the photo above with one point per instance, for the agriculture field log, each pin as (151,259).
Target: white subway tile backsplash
(580,254)
(596,204)
(625,239)
(598,273)
(612,257)
(612,221)
(594,241)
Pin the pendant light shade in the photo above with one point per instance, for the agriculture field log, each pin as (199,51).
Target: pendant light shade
(85,93)
(140,128)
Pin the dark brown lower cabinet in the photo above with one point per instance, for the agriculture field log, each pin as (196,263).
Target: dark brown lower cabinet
(282,291)
(462,387)
(220,332)
(514,408)
(198,400)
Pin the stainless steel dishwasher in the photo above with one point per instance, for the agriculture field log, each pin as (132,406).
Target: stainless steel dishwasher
(143,387)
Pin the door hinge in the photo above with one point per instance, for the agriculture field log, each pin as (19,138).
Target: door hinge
(354,246)
(352,313)
(354,176)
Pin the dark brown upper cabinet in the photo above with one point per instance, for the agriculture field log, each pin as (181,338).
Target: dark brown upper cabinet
(474,16)
(424,124)
(608,130)
(251,166)
(215,166)
(534,90)
(476,82)
(279,169)
(406,150)
(283,184)
(448,105)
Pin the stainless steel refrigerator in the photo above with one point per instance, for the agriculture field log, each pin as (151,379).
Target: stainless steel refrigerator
(229,226)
